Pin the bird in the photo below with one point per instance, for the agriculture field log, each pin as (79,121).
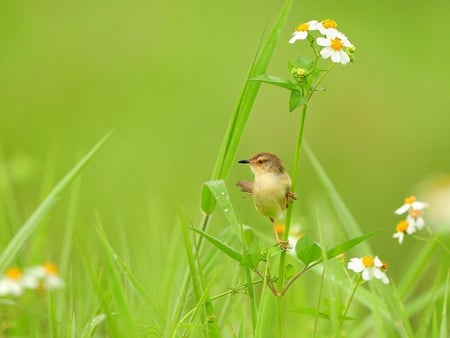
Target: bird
(270,188)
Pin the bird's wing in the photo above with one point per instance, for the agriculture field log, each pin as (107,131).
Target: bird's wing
(245,186)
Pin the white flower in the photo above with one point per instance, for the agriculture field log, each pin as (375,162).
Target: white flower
(415,219)
(46,275)
(411,203)
(293,237)
(327,27)
(336,48)
(402,228)
(301,32)
(400,235)
(14,282)
(370,267)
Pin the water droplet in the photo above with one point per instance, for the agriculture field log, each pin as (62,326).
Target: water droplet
(225,210)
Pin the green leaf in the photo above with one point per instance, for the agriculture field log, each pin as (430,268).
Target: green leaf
(92,325)
(220,193)
(30,225)
(347,245)
(276,81)
(226,249)
(289,271)
(253,255)
(305,63)
(296,100)
(208,202)
(307,250)
(351,227)
(245,103)
(310,311)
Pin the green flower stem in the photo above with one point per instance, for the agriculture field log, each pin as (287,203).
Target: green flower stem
(295,169)
(230,292)
(349,300)
(434,239)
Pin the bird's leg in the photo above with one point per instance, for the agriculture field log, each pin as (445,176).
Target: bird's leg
(283,244)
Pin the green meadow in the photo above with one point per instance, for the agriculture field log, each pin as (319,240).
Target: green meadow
(121,127)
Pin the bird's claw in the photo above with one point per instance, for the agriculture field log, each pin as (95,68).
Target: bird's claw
(284,245)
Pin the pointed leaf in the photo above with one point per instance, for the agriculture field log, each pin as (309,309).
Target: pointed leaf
(345,246)
(307,250)
(20,238)
(310,311)
(296,100)
(253,255)
(226,249)
(220,193)
(244,104)
(276,81)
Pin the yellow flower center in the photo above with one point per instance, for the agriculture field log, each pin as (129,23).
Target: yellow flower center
(13,273)
(415,213)
(303,27)
(402,226)
(410,199)
(336,44)
(328,23)
(368,261)
(50,269)
(300,72)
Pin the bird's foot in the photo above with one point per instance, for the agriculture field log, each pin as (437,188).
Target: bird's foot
(284,245)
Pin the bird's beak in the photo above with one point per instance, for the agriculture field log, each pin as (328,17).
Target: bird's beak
(243,161)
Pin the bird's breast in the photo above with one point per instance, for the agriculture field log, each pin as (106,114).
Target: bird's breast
(269,193)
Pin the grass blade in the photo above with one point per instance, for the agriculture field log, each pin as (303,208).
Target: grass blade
(228,250)
(30,225)
(220,193)
(443,328)
(351,226)
(244,105)
(340,248)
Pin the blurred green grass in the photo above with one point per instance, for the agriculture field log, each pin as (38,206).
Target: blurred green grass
(166,76)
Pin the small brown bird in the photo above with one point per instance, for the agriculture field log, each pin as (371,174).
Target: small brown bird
(270,189)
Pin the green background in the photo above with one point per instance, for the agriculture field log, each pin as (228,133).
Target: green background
(166,75)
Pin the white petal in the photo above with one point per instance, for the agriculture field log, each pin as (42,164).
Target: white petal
(347,43)
(323,42)
(404,208)
(356,265)
(326,52)
(344,58)
(367,274)
(53,282)
(335,56)
(333,33)
(4,287)
(420,223)
(313,25)
(15,289)
(377,262)
(378,274)
(411,227)
(400,235)
(321,28)
(419,205)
